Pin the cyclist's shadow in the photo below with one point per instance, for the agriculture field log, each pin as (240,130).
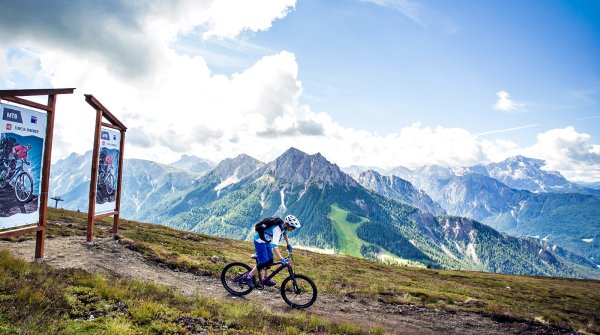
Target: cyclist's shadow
(9,205)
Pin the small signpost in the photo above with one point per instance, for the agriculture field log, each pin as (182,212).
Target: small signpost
(107,168)
(26,137)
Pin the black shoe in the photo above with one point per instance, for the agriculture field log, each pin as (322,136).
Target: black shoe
(248,280)
(270,283)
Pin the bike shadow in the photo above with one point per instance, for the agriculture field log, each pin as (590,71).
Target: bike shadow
(9,205)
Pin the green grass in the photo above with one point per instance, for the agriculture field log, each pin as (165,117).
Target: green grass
(349,243)
(565,302)
(39,299)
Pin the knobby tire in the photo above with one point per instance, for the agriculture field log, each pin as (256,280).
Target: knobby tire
(230,273)
(24,187)
(308,290)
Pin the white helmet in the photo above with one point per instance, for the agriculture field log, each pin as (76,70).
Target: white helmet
(292,221)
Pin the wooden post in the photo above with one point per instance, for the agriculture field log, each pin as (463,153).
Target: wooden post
(115,228)
(94,179)
(40,238)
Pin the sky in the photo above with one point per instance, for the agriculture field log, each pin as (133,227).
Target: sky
(381,83)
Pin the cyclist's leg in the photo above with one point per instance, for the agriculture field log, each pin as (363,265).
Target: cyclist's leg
(12,164)
(270,261)
(261,257)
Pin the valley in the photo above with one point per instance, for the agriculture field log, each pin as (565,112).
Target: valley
(398,221)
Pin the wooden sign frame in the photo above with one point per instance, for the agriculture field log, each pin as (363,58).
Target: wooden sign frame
(114,123)
(50,109)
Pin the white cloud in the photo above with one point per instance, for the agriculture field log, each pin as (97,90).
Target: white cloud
(129,36)
(505,104)
(569,152)
(179,106)
(251,15)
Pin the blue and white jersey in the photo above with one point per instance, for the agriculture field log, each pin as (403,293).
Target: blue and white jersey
(273,234)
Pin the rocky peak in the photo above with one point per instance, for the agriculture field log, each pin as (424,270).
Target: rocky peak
(298,167)
(436,171)
(240,167)
(373,180)
(526,173)
(399,189)
(193,164)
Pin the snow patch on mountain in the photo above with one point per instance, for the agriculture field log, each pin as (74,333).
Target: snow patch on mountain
(229,181)
(473,253)
(262,200)
(282,207)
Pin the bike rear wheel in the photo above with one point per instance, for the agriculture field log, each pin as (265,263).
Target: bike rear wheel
(109,183)
(230,278)
(299,292)
(24,187)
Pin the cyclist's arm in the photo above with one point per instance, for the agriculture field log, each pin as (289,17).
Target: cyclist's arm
(275,242)
(287,240)
(277,253)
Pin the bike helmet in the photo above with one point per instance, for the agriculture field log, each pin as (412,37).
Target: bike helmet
(292,221)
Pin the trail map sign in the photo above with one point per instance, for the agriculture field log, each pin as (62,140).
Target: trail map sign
(108,170)
(22,135)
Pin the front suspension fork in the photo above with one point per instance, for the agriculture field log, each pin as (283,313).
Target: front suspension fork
(293,276)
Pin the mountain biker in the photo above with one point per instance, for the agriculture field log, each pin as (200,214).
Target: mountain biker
(18,152)
(266,248)
(106,163)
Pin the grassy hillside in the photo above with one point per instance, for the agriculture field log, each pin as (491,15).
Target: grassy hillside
(566,302)
(38,299)
(348,242)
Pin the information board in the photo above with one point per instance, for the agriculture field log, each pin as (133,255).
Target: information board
(22,135)
(108,170)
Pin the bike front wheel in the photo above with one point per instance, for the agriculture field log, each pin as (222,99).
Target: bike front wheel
(231,278)
(109,183)
(299,292)
(24,187)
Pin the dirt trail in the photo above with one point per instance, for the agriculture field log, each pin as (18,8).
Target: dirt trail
(108,256)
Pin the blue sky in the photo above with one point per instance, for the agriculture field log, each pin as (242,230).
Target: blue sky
(377,82)
(367,64)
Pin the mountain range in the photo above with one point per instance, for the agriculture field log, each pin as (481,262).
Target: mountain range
(571,220)
(379,217)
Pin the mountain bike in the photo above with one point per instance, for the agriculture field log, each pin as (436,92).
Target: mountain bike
(107,179)
(297,290)
(20,179)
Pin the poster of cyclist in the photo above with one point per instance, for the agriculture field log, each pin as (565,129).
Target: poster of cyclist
(108,170)
(22,134)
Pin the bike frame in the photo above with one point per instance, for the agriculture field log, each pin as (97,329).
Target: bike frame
(18,168)
(275,272)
